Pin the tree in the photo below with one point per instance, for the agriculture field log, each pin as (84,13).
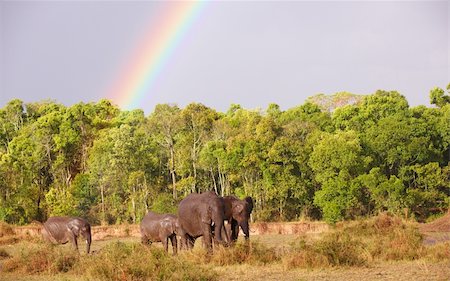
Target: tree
(336,160)
(165,124)
(439,97)
(197,126)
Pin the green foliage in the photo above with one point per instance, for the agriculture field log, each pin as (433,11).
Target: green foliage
(361,156)
(164,203)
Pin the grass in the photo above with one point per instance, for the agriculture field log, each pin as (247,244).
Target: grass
(350,246)
(361,243)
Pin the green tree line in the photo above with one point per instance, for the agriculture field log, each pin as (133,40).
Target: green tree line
(111,166)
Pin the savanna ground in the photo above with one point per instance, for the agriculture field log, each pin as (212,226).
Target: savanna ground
(380,248)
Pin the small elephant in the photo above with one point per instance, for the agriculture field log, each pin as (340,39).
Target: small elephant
(60,230)
(237,213)
(198,215)
(160,228)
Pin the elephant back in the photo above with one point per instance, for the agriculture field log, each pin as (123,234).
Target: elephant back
(57,229)
(197,209)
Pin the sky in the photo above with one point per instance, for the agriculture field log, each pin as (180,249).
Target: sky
(251,53)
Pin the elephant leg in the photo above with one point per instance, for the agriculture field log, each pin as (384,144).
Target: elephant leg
(174,241)
(191,242)
(165,242)
(207,236)
(184,242)
(74,239)
(144,240)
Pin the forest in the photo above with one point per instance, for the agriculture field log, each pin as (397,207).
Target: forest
(333,158)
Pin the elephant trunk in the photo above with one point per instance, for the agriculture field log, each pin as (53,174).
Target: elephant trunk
(245,228)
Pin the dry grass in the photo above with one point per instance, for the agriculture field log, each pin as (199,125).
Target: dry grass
(4,254)
(361,243)
(5,229)
(41,259)
(132,261)
(357,246)
(115,261)
(253,253)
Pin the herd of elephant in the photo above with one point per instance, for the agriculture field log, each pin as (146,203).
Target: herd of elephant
(199,215)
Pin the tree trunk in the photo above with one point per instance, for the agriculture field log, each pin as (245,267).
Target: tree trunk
(172,172)
(102,192)
(214,180)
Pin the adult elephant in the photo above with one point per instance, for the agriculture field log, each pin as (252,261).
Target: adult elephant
(60,230)
(199,215)
(237,213)
(160,228)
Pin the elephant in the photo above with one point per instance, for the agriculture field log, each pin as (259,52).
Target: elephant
(237,213)
(198,215)
(160,228)
(60,230)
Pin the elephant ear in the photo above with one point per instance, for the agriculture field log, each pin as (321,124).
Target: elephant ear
(237,209)
(249,201)
(73,227)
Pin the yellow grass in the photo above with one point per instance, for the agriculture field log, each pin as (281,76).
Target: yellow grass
(379,248)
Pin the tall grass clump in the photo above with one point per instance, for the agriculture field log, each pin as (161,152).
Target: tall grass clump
(334,249)
(5,229)
(42,259)
(132,261)
(386,237)
(439,252)
(357,243)
(7,235)
(249,252)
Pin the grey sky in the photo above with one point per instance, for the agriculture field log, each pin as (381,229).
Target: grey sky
(245,52)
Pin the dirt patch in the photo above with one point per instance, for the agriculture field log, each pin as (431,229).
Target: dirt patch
(132,230)
(107,231)
(437,231)
(441,224)
(288,227)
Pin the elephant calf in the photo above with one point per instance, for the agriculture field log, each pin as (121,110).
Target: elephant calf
(60,230)
(160,228)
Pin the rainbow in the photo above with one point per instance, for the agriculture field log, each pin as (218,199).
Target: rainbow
(146,63)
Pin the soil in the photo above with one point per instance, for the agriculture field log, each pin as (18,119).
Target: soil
(132,230)
(441,224)
(436,231)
